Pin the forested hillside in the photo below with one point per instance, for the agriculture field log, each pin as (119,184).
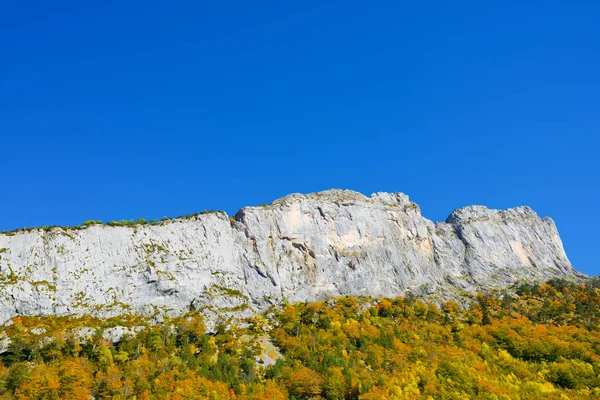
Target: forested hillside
(539,341)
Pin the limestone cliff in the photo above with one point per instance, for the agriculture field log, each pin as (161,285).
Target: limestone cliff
(301,247)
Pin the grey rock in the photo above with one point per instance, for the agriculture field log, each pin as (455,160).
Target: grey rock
(5,343)
(300,247)
(116,333)
(83,334)
(39,331)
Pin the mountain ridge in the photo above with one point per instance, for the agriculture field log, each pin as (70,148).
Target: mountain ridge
(301,247)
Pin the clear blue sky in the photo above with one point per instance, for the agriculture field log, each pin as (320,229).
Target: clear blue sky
(146,109)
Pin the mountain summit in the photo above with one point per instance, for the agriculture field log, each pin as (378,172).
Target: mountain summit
(299,248)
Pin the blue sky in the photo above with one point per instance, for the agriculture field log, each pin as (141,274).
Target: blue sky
(150,109)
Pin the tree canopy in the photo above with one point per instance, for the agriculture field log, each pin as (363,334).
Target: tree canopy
(541,341)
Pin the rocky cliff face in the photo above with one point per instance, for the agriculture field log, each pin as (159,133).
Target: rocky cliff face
(301,247)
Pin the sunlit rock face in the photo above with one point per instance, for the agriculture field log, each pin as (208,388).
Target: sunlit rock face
(301,247)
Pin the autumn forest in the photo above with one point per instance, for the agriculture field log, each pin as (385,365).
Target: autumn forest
(533,341)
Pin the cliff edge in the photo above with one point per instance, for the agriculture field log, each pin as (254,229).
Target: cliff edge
(300,247)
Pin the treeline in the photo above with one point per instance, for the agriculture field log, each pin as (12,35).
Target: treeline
(542,342)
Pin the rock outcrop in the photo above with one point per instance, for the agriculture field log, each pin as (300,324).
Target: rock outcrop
(301,247)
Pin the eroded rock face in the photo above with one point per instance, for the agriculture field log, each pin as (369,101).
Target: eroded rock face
(301,247)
